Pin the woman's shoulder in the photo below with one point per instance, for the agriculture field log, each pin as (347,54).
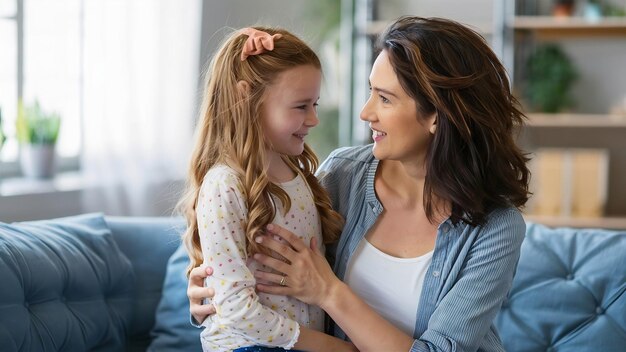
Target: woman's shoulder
(347,162)
(506,220)
(505,214)
(361,153)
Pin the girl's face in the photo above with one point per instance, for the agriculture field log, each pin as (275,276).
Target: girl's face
(398,130)
(290,109)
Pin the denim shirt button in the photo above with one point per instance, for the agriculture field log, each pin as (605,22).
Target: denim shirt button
(436,273)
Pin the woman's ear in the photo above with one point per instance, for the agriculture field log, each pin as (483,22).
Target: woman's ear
(433,123)
(243,87)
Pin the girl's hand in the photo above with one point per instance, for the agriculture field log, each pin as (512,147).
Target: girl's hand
(197,293)
(307,275)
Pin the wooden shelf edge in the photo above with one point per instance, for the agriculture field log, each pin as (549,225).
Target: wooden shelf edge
(611,223)
(575,120)
(550,22)
(374,28)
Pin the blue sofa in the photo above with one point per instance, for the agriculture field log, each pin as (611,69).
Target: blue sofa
(96,283)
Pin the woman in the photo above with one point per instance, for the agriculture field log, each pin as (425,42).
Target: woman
(433,230)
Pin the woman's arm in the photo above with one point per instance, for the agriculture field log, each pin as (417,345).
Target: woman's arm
(309,340)
(462,318)
(310,279)
(197,293)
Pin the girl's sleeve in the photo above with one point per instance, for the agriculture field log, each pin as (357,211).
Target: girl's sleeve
(221,217)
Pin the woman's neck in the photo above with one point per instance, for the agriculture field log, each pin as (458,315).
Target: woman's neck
(405,183)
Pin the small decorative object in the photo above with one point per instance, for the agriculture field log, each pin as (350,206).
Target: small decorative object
(593,11)
(619,108)
(550,77)
(563,8)
(37,133)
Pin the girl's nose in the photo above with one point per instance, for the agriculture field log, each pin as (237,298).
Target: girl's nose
(312,120)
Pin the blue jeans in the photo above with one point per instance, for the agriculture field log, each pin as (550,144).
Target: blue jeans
(263,349)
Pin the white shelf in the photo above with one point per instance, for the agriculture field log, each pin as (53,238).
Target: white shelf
(576,120)
(613,223)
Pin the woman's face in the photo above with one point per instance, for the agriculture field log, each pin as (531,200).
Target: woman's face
(398,130)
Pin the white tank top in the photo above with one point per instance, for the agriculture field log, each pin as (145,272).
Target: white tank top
(391,286)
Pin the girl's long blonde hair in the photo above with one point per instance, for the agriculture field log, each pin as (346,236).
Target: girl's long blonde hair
(229,132)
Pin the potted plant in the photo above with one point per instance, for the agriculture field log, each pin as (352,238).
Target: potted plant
(551,74)
(37,133)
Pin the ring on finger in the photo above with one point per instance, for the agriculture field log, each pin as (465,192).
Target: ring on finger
(283,281)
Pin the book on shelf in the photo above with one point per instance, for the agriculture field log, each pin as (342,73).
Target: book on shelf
(569,182)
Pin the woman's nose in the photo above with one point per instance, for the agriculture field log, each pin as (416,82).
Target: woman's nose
(367,111)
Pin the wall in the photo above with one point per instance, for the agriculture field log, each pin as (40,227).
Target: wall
(48,200)
(219,17)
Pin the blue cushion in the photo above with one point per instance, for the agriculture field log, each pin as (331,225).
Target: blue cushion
(173,330)
(64,286)
(569,292)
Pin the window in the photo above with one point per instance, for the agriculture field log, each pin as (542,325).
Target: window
(41,60)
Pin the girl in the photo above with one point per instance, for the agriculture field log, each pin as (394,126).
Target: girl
(251,167)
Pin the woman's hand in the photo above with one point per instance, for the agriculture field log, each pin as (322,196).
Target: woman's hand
(307,275)
(197,293)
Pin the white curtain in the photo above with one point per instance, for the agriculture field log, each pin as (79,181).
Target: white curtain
(140,88)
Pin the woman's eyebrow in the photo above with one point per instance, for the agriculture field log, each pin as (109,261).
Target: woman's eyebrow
(382,90)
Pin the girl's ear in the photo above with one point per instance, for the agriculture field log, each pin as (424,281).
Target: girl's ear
(243,87)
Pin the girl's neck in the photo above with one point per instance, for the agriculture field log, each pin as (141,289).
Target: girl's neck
(277,169)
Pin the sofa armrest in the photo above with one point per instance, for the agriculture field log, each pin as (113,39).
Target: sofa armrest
(148,242)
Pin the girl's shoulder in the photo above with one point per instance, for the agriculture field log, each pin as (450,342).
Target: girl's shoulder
(221,175)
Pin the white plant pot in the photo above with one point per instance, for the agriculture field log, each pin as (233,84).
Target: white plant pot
(37,160)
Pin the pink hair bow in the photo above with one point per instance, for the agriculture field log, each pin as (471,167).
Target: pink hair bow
(258,42)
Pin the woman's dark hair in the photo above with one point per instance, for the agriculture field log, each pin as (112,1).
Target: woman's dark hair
(473,161)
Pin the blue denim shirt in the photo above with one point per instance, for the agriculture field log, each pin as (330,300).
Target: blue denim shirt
(472,266)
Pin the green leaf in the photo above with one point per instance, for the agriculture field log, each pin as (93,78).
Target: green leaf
(35,126)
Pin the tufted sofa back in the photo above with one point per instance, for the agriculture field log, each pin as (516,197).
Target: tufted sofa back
(82,283)
(569,292)
(65,287)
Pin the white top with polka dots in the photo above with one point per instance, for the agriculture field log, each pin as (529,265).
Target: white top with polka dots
(245,317)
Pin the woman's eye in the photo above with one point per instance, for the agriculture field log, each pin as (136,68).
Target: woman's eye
(383,99)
